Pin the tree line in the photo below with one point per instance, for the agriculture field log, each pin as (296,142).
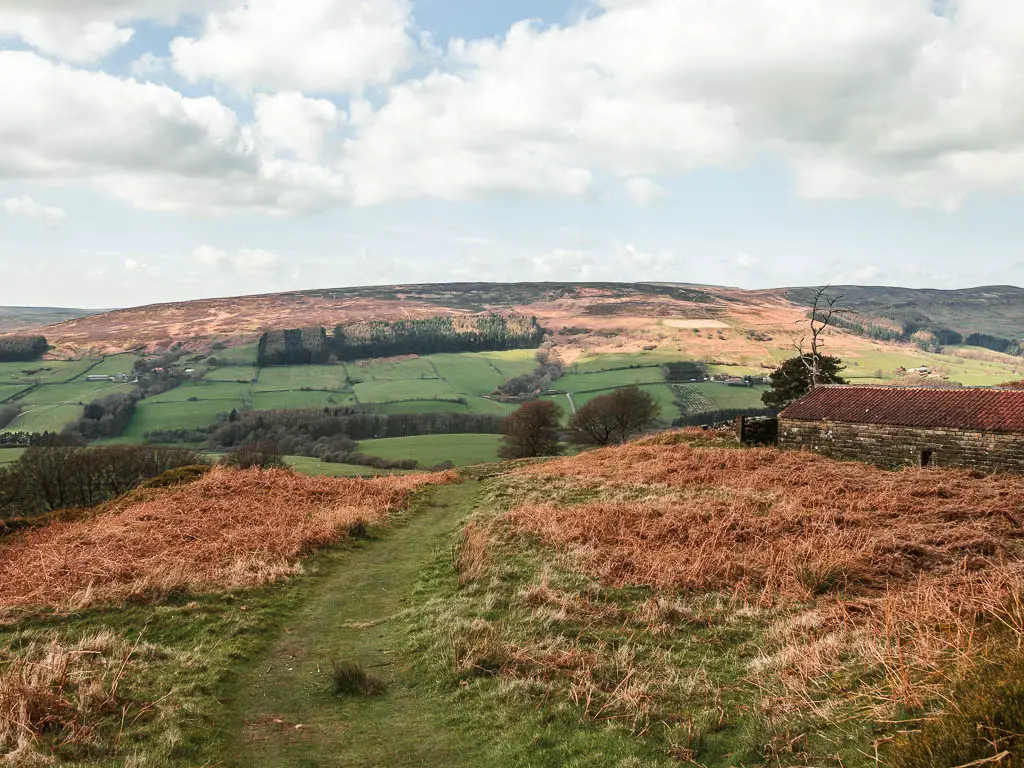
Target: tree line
(59,476)
(17,349)
(390,338)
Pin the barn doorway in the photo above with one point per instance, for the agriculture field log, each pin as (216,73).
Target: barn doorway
(926,457)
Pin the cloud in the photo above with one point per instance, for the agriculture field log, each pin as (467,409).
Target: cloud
(296,124)
(879,98)
(86,31)
(319,46)
(644,192)
(51,217)
(145,143)
(875,98)
(251,261)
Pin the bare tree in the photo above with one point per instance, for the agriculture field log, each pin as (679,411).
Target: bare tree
(823,311)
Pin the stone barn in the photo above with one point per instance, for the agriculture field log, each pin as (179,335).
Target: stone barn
(894,427)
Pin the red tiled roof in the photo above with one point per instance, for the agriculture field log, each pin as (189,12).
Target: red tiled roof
(984,410)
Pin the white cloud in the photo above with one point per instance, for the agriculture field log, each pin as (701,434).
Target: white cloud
(875,98)
(294,123)
(51,217)
(879,97)
(86,30)
(320,46)
(148,65)
(146,143)
(251,261)
(643,192)
(746,261)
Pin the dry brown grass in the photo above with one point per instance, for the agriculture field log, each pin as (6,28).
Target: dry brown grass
(905,573)
(59,690)
(230,529)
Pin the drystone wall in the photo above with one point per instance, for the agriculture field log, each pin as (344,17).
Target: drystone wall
(893,446)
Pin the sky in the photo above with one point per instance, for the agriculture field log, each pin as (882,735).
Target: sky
(164,150)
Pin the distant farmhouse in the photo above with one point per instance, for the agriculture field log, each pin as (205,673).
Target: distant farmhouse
(898,426)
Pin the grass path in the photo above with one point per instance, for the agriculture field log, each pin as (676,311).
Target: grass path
(286,714)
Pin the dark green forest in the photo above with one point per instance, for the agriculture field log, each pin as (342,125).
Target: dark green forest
(17,349)
(385,338)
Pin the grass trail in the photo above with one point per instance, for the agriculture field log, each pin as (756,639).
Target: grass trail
(355,615)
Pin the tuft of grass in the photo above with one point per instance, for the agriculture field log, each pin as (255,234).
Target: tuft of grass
(350,679)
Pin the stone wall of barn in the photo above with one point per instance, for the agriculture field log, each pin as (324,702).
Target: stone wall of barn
(893,447)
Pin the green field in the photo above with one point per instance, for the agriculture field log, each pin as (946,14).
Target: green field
(324,377)
(243,373)
(282,401)
(45,418)
(45,371)
(243,355)
(310,466)
(597,363)
(83,392)
(515,362)
(202,390)
(431,450)
(7,391)
(590,382)
(420,406)
(151,415)
(115,364)
(469,374)
(409,389)
(391,370)
(10,455)
(723,397)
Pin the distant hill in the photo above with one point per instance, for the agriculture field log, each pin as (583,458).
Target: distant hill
(597,317)
(994,310)
(19,318)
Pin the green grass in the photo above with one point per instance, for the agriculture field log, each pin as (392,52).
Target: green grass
(83,392)
(608,380)
(7,391)
(151,415)
(431,450)
(10,455)
(274,401)
(492,407)
(420,406)
(469,374)
(597,363)
(44,371)
(45,418)
(243,373)
(202,390)
(295,377)
(514,362)
(317,468)
(409,389)
(241,355)
(392,370)
(725,397)
(115,364)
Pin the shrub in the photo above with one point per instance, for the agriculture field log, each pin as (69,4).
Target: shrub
(62,475)
(986,720)
(350,679)
(262,455)
(178,476)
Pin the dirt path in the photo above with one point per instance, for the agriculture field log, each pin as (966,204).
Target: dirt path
(288,716)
